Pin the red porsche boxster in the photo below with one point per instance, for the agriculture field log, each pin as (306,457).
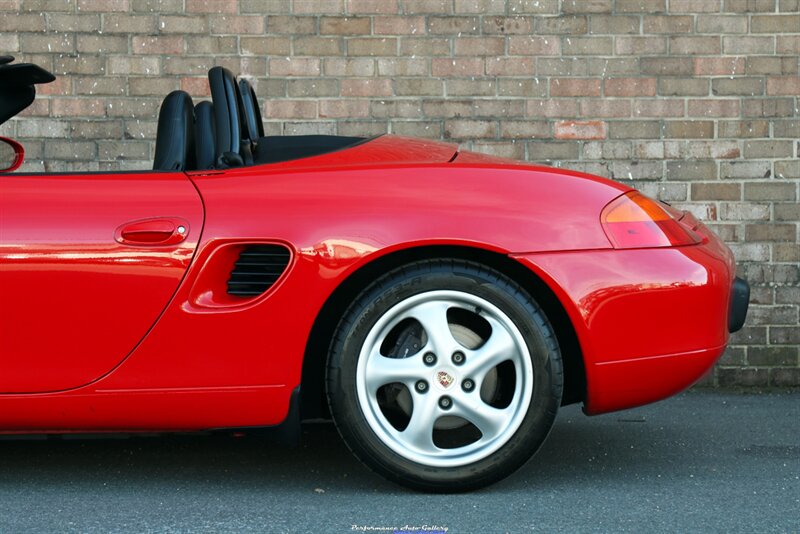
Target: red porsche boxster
(439,305)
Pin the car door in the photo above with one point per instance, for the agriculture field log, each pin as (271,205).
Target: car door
(88,262)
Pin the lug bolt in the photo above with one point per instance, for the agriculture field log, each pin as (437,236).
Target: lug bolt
(421,386)
(467,385)
(458,357)
(429,358)
(445,403)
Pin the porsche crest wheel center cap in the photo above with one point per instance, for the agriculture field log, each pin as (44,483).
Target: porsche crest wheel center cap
(444,379)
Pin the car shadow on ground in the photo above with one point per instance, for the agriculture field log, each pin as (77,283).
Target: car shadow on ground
(578,447)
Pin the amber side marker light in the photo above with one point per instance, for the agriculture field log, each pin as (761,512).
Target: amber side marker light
(636,221)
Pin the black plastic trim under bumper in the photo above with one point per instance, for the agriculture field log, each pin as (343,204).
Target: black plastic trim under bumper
(740,298)
(287,432)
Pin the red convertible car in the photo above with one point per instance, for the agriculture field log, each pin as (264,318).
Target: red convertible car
(439,305)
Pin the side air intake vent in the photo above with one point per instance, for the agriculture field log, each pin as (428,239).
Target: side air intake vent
(258,267)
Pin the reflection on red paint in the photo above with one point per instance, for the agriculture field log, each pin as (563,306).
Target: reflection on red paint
(75,301)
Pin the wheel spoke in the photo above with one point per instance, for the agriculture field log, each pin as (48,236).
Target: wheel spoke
(498,348)
(489,420)
(382,370)
(433,317)
(425,385)
(419,432)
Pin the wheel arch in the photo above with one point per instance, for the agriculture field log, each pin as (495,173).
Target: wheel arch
(313,403)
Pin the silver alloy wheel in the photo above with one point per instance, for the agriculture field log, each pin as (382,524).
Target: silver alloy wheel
(444,379)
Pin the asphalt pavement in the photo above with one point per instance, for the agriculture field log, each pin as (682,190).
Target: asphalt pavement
(700,462)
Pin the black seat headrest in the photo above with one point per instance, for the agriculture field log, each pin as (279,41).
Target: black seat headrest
(253,125)
(205,135)
(175,136)
(227,113)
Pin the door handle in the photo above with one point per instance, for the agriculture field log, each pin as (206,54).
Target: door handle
(153,232)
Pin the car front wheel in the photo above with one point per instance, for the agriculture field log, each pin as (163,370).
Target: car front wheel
(444,375)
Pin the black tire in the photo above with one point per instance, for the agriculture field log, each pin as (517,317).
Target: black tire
(533,420)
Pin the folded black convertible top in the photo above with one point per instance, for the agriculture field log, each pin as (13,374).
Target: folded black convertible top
(17,85)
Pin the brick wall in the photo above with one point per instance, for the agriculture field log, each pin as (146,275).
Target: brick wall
(693,101)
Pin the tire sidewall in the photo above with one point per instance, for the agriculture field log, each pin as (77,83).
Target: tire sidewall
(396,287)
